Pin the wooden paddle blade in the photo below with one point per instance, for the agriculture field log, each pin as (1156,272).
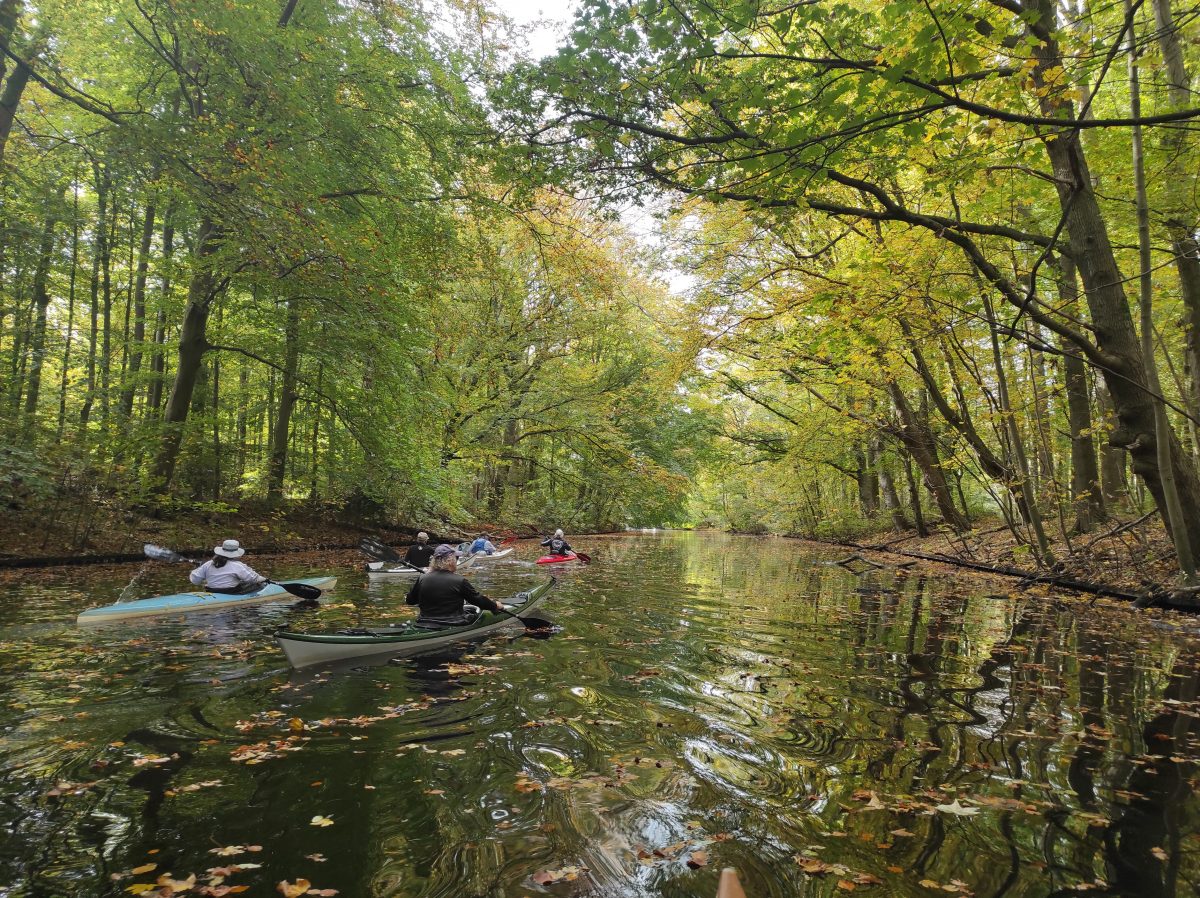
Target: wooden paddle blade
(302,590)
(729,887)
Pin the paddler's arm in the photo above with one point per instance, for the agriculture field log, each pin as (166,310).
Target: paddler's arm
(474,597)
(197,576)
(414,593)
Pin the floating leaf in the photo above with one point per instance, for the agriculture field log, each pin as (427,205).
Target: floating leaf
(321,821)
(293,889)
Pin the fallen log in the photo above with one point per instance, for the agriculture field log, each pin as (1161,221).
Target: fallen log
(1178,599)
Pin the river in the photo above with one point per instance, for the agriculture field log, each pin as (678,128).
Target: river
(707,701)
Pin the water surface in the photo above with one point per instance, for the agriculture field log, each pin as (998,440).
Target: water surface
(719,700)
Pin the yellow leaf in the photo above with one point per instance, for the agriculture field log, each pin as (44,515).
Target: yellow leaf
(293,890)
(321,821)
(144,868)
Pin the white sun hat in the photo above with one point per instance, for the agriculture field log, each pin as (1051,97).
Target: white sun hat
(231,548)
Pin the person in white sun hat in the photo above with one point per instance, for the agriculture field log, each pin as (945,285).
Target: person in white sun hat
(223,573)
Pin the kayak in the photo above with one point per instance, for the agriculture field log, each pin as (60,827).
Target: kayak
(391,569)
(484,556)
(187,602)
(307,649)
(558,559)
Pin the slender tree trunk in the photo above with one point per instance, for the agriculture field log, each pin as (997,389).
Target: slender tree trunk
(158,360)
(1125,369)
(316,432)
(66,364)
(1180,214)
(106,286)
(193,343)
(41,301)
(287,402)
(139,311)
(1087,495)
(919,441)
(1173,513)
(100,232)
(914,496)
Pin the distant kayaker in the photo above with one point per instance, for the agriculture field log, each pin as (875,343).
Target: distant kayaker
(418,554)
(441,594)
(557,544)
(223,574)
(482,544)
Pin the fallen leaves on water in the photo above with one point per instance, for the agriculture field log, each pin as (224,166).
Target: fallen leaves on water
(957,809)
(697,859)
(459,669)
(565,874)
(955,886)
(231,850)
(293,889)
(64,789)
(144,868)
(318,820)
(319,858)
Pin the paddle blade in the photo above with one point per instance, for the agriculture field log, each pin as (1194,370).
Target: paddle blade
(585,558)
(729,887)
(378,550)
(536,623)
(302,590)
(161,553)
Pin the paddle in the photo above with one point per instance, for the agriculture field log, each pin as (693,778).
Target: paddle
(300,590)
(583,557)
(379,551)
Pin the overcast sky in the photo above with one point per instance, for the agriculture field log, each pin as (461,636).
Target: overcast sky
(555,14)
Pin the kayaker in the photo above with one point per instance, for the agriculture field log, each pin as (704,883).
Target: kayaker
(557,544)
(223,574)
(441,594)
(419,553)
(482,544)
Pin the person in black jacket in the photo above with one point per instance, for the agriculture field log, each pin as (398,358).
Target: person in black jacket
(418,555)
(441,593)
(557,544)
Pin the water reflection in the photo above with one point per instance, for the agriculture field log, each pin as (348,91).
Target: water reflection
(740,698)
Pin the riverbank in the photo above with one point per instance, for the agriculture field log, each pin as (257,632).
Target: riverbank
(1129,557)
(37,537)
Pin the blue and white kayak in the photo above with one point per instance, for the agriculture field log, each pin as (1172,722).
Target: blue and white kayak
(188,602)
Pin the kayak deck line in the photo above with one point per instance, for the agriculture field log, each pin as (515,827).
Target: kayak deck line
(196,601)
(307,649)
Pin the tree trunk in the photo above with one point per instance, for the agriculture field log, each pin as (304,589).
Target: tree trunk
(139,312)
(1104,292)
(1180,214)
(287,402)
(10,99)
(919,441)
(41,301)
(193,343)
(158,360)
(100,231)
(1087,495)
(1173,514)
(66,364)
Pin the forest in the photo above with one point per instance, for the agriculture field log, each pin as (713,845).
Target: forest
(913,264)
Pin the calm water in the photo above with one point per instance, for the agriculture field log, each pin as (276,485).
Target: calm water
(726,700)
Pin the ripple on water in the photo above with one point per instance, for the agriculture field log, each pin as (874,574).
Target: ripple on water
(725,695)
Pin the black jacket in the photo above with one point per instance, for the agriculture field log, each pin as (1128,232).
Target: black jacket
(557,546)
(419,555)
(441,595)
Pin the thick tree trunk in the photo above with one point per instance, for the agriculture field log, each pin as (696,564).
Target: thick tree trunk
(287,403)
(10,99)
(193,343)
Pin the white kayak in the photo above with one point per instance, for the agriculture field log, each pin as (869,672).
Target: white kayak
(307,649)
(188,602)
(391,569)
(484,556)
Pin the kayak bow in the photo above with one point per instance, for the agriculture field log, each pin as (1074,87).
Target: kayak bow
(558,559)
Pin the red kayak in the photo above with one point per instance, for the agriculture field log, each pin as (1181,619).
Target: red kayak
(558,559)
